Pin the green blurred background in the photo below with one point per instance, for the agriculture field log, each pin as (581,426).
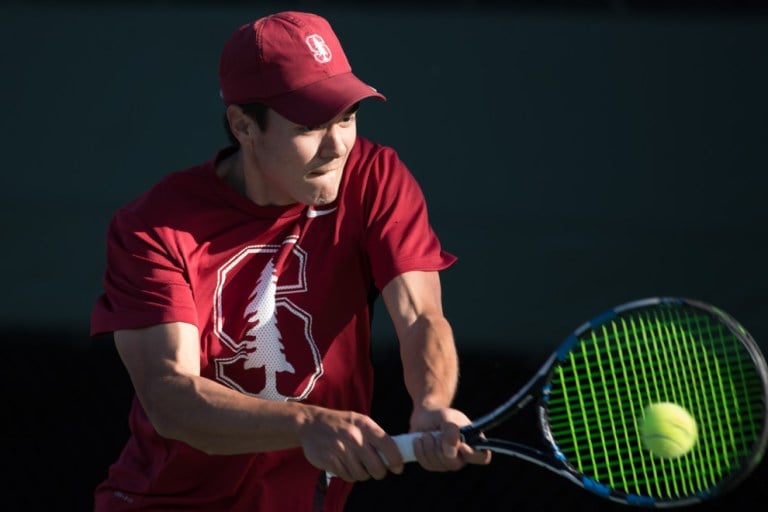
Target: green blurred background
(575,156)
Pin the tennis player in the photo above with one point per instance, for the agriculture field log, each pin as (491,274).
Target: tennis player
(240,293)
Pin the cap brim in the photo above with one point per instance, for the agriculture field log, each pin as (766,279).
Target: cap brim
(318,103)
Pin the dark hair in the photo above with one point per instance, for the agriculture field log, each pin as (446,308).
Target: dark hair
(256,111)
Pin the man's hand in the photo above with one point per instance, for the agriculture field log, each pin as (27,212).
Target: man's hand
(349,445)
(445,451)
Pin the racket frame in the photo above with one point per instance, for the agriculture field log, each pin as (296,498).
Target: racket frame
(537,389)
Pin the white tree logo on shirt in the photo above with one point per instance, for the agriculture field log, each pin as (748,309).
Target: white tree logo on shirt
(267,344)
(263,337)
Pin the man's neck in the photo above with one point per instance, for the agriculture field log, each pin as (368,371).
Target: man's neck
(231,171)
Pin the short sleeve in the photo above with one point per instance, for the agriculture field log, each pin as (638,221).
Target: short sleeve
(399,237)
(144,282)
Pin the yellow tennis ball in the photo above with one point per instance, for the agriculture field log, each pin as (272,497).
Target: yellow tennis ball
(668,430)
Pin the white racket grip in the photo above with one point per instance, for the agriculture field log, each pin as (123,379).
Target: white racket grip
(404,443)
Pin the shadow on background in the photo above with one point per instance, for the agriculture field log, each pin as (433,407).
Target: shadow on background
(70,423)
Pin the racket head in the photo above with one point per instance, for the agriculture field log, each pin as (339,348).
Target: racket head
(687,352)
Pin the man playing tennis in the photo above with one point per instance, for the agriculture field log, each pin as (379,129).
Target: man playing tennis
(240,294)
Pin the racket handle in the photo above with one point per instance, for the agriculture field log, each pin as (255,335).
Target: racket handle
(404,443)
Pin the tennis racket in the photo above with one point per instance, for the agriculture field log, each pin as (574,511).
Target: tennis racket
(591,394)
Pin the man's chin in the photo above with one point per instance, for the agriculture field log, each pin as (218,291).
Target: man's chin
(323,196)
(322,201)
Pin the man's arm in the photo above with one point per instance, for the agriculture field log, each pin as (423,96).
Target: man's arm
(430,369)
(163,362)
(427,349)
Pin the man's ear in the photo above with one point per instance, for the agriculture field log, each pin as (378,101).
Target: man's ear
(241,125)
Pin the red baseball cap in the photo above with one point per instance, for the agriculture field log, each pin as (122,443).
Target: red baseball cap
(293,63)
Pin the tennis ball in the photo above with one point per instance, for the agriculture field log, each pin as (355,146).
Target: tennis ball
(668,430)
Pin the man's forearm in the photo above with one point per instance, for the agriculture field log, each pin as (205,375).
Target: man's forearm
(430,362)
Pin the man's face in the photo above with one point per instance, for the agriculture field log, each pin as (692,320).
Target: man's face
(301,164)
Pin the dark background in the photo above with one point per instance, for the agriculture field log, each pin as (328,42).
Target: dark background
(575,155)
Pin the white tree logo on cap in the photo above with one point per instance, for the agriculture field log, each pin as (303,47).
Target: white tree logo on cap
(319,49)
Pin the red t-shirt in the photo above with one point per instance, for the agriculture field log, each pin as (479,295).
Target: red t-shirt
(282,298)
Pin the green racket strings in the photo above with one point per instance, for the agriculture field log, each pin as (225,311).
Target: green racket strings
(659,354)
